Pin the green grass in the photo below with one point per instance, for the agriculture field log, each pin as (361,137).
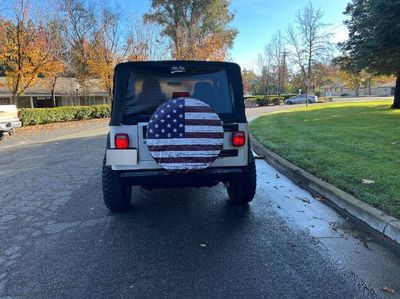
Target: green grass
(343,144)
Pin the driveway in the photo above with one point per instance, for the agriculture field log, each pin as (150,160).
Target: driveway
(58,240)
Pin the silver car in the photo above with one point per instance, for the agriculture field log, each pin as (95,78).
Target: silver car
(301,99)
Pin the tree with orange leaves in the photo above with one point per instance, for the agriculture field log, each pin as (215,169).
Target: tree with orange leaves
(26,51)
(103,52)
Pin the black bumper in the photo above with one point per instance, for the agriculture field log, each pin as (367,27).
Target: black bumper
(164,179)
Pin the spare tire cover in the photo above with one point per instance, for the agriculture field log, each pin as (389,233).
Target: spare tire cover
(185,134)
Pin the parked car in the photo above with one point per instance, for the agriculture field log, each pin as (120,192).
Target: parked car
(8,119)
(301,99)
(177,124)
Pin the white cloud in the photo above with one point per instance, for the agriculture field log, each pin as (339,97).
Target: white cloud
(340,33)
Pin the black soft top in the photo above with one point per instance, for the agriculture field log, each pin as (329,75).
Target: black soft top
(123,70)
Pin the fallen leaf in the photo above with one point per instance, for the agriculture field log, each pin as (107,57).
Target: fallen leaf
(389,290)
(279,207)
(333,226)
(367,182)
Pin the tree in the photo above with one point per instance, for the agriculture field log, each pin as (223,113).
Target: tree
(374,38)
(79,25)
(250,80)
(197,29)
(309,43)
(27,50)
(57,65)
(144,41)
(323,74)
(103,52)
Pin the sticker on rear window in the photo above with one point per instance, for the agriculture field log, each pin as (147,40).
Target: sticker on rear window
(178,69)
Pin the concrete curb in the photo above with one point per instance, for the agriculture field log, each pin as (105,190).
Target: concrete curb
(361,211)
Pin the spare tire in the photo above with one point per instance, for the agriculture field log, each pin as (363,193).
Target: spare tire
(185,134)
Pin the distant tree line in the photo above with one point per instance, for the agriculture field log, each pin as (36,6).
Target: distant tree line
(303,57)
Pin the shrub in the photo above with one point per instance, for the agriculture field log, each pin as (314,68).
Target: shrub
(36,116)
(263,101)
(276,101)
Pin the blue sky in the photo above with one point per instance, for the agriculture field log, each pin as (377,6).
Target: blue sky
(258,20)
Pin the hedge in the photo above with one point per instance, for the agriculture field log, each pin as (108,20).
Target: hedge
(37,116)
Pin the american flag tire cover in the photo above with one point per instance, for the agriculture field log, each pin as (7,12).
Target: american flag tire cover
(185,134)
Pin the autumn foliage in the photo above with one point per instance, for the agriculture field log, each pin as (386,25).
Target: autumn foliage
(26,54)
(75,39)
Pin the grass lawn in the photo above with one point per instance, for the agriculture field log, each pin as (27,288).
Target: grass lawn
(343,144)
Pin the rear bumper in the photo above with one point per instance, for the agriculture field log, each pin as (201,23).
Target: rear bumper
(163,179)
(9,125)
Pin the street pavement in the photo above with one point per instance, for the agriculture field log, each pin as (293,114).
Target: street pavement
(57,239)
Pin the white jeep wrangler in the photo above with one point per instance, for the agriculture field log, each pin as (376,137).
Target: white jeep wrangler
(177,124)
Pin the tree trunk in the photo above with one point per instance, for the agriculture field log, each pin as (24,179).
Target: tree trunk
(53,92)
(396,102)
(369,86)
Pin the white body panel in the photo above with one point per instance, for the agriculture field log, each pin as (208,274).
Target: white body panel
(145,161)
(9,117)
(126,157)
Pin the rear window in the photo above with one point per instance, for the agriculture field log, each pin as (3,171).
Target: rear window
(147,89)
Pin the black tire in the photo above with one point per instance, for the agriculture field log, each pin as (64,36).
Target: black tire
(116,195)
(289,103)
(1,136)
(241,190)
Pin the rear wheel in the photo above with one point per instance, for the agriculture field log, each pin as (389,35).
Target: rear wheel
(116,195)
(242,190)
(289,103)
(1,136)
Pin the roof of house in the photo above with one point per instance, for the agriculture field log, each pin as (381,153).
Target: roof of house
(334,85)
(64,87)
(391,83)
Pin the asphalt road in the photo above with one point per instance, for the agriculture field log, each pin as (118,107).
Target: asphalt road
(57,239)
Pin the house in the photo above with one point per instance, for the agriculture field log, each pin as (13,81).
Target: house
(339,89)
(68,92)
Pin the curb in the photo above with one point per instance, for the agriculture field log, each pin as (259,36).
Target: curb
(361,211)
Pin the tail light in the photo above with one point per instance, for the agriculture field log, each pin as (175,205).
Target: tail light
(180,94)
(238,138)
(121,141)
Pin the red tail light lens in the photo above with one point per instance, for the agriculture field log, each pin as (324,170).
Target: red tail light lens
(238,138)
(180,94)
(121,141)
